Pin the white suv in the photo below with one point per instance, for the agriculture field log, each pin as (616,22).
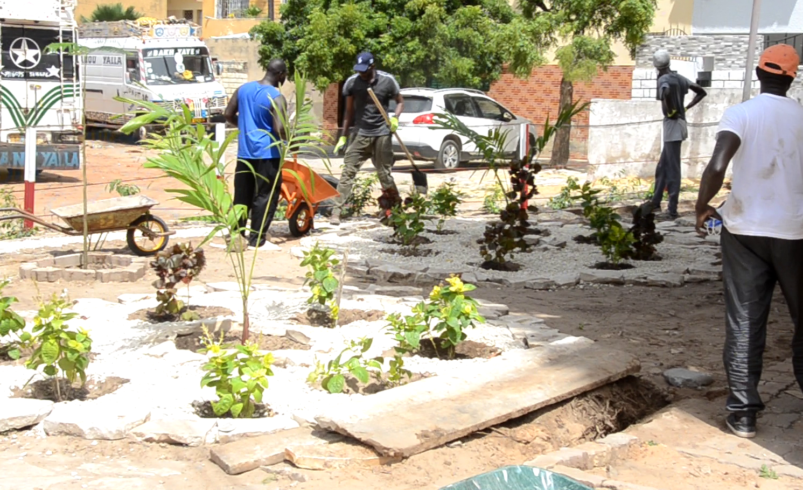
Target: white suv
(476,110)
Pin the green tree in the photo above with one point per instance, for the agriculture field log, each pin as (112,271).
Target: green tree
(111,12)
(583,31)
(421,42)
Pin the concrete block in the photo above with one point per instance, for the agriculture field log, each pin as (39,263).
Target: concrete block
(72,260)
(651,84)
(734,84)
(643,74)
(637,93)
(26,270)
(599,455)
(717,84)
(736,75)
(80,275)
(47,274)
(620,444)
(120,260)
(636,83)
(719,75)
(47,262)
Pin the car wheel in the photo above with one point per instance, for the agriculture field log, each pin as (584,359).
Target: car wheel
(449,155)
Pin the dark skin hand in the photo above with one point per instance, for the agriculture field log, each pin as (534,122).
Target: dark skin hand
(367,76)
(713,177)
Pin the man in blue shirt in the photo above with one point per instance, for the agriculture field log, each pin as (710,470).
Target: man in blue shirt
(258,177)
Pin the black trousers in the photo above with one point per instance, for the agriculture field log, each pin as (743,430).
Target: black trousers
(667,176)
(752,266)
(253,190)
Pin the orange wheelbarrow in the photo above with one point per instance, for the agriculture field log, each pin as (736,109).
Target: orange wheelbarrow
(304,190)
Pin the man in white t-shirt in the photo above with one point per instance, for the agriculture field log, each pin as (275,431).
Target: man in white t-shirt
(762,235)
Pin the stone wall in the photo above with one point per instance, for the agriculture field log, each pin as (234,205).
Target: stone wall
(235,73)
(729,51)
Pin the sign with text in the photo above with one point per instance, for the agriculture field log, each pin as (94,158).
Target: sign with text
(54,157)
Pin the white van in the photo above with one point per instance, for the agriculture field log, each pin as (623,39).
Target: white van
(158,62)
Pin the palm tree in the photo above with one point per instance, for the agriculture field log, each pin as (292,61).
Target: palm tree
(112,12)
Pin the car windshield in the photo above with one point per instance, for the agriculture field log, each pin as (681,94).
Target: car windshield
(170,66)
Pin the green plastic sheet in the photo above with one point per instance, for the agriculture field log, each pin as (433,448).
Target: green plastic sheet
(518,478)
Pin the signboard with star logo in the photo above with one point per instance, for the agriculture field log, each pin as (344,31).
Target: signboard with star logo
(24,57)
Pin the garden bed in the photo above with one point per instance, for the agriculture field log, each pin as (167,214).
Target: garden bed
(203,312)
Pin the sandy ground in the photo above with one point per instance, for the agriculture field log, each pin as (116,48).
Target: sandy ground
(664,327)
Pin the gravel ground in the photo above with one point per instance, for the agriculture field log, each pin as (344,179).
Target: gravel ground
(167,380)
(681,249)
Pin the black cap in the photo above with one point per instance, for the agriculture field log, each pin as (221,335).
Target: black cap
(364,62)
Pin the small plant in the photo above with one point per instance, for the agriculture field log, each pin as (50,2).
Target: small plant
(444,202)
(252,12)
(768,473)
(281,211)
(56,347)
(320,276)
(564,199)
(407,331)
(12,229)
(453,312)
(122,188)
(361,195)
(493,199)
(239,375)
(332,375)
(615,242)
(407,219)
(11,326)
(179,264)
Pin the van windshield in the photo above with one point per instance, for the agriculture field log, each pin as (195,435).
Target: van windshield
(170,66)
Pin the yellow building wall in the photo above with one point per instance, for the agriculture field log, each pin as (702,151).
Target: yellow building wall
(149,8)
(673,14)
(213,27)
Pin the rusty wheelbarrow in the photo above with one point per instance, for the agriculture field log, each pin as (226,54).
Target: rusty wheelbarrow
(304,190)
(146,233)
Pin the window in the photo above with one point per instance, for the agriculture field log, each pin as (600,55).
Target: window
(413,104)
(489,109)
(794,40)
(231,8)
(187,14)
(460,105)
(132,69)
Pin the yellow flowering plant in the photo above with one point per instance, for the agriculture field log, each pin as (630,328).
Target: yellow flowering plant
(452,312)
(238,373)
(320,276)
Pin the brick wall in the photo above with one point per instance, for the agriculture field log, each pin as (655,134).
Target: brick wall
(330,119)
(729,51)
(234,74)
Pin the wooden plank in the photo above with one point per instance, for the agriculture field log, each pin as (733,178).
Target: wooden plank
(429,413)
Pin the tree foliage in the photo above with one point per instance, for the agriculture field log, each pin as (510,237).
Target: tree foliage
(111,12)
(421,42)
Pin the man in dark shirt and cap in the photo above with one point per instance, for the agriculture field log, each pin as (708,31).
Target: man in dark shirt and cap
(672,90)
(373,138)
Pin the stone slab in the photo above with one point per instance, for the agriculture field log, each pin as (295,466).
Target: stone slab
(602,277)
(249,454)
(429,413)
(336,455)
(685,378)
(94,420)
(230,430)
(399,291)
(540,284)
(223,287)
(17,413)
(188,432)
(491,310)
(129,298)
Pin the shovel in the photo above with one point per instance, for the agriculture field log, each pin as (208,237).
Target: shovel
(419,177)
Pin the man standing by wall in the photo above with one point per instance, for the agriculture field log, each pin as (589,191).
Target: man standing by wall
(762,235)
(373,139)
(672,90)
(258,177)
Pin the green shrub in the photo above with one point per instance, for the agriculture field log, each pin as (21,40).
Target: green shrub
(320,276)
(407,219)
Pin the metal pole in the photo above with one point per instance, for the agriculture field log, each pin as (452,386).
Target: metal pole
(751,51)
(29,173)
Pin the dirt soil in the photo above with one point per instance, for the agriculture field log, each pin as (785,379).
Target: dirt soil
(45,389)
(192,342)
(344,317)
(204,410)
(203,312)
(467,349)
(410,252)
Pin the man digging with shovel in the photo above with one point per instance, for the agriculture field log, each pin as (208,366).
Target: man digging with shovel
(373,138)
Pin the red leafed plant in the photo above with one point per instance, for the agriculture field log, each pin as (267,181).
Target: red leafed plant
(178,264)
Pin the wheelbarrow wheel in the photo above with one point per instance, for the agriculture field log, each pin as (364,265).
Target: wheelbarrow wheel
(138,240)
(301,221)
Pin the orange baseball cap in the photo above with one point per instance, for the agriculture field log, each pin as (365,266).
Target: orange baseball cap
(781,59)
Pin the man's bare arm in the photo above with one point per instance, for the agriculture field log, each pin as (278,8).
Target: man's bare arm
(348,115)
(699,95)
(278,122)
(399,105)
(714,175)
(231,110)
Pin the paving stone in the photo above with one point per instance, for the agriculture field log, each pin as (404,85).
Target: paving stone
(553,242)
(531,240)
(665,280)
(297,336)
(685,378)
(230,430)
(491,310)
(335,455)
(431,412)
(398,291)
(599,455)
(602,277)
(251,453)
(540,284)
(188,432)
(694,279)
(394,273)
(95,419)
(71,260)
(706,270)
(566,280)
(26,270)
(16,413)
(443,274)
(128,298)
(620,444)
(219,287)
